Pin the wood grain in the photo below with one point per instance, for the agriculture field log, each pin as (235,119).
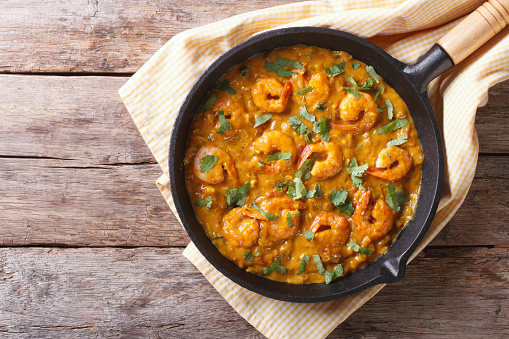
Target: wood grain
(157,293)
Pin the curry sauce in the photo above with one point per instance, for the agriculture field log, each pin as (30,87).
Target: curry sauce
(303,165)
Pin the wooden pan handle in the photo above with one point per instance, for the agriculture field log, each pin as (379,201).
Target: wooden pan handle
(476,29)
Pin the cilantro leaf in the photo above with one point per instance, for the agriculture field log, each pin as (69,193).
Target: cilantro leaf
(280,156)
(364,87)
(282,185)
(281,269)
(207,202)
(288,63)
(320,106)
(262,165)
(245,70)
(237,196)
(261,119)
(322,127)
(208,104)
(207,162)
(306,167)
(398,141)
(273,267)
(315,192)
(355,65)
(273,67)
(225,86)
(306,115)
(377,93)
(380,110)
(299,127)
(309,235)
(390,109)
(392,126)
(289,219)
(248,256)
(330,276)
(353,92)
(225,125)
(359,249)
(356,172)
(371,71)
(336,69)
(296,189)
(265,214)
(339,199)
(381,88)
(395,199)
(305,90)
(303,263)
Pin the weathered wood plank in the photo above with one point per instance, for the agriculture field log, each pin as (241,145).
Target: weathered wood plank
(101,35)
(45,202)
(147,292)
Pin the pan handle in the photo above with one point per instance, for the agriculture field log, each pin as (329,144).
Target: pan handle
(465,38)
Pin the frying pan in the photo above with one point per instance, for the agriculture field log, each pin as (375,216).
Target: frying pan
(410,81)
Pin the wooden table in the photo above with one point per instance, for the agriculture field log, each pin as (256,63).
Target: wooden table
(89,246)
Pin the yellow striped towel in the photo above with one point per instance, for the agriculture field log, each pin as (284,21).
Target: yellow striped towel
(405,29)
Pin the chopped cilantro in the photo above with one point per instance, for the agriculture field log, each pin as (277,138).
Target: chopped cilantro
(288,63)
(364,87)
(262,165)
(392,126)
(225,86)
(225,125)
(296,189)
(281,185)
(306,115)
(265,214)
(245,70)
(380,110)
(305,90)
(381,88)
(355,65)
(377,93)
(339,199)
(248,256)
(398,141)
(336,69)
(322,127)
(320,106)
(358,249)
(330,276)
(207,202)
(207,162)
(280,156)
(289,219)
(237,196)
(371,71)
(299,127)
(261,119)
(306,167)
(303,263)
(353,92)
(273,267)
(281,269)
(395,199)
(315,192)
(208,104)
(390,109)
(309,235)
(356,172)
(278,66)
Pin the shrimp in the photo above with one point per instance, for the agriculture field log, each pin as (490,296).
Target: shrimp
(330,229)
(215,175)
(323,168)
(372,224)
(234,112)
(277,230)
(362,111)
(393,163)
(239,229)
(272,141)
(270,95)
(321,90)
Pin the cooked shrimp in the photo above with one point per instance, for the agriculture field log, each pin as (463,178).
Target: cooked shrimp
(277,230)
(239,229)
(215,175)
(330,229)
(323,168)
(362,111)
(297,81)
(234,112)
(272,141)
(321,90)
(372,224)
(270,95)
(393,163)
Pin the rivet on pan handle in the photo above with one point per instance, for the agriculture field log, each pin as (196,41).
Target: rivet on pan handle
(477,28)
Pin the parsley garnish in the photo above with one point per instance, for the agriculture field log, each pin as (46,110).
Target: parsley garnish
(380,110)
(296,189)
(248,256)
(299,127)
(244,71)
(262,165)
(355,65)
(208,104)
(303,263)
(371,71)
(320,106)
(381,88)
(261,119)
(225,86)
(398,141)
(309,235)
(305,90)
(220,236)
(280,156)
(339,199)
(225,125)
(392,126)
(306,115)
(322,127)
(237,196)
(353,92)
(276,265)
(207,202)
(395,199)
(279,63)
(207,162)
(330,276)
(377,93)
(265,214)
(364,87)
(356,172)
(336,69)
(390,109)
(315,192)
(289,219)
(358,249)
(306,167)
(282,185)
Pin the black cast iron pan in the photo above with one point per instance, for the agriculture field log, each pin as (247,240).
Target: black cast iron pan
(410,81)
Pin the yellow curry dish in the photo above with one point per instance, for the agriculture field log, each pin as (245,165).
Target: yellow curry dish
(303,165)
